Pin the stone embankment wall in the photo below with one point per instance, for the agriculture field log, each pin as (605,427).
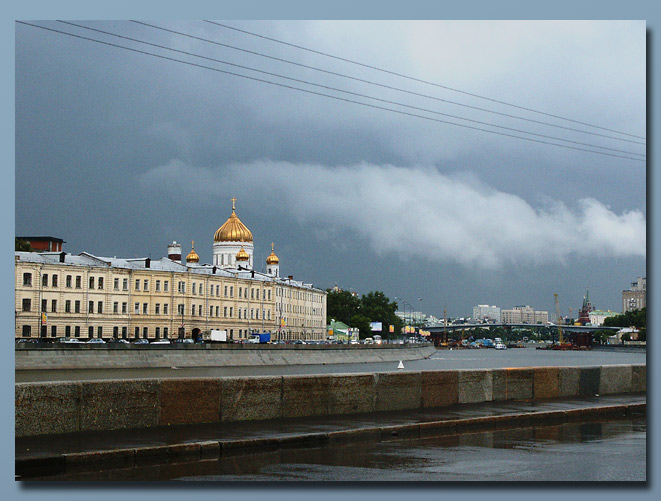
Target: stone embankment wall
(138,356)
(62,407)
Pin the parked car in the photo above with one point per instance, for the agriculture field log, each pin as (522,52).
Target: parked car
(140,341)
(96,340)
(160,341)
(500,346)
(119,340)
(184,341)
(69,340)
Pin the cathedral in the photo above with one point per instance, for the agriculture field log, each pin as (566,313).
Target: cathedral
(86,296)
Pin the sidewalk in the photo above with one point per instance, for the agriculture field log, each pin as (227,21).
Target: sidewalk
(94,451)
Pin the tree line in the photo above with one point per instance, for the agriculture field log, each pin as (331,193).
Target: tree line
(358,312)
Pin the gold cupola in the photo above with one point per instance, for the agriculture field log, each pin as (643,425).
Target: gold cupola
(242,255)
(272,259)
(233,230)
(192,256)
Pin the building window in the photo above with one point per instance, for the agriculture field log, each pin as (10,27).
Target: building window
(27,330)
(192,310)
(27,303)
(158,285)
(252,293)
(225,311)
(54,280)
(157,309)
(239,313)
(217,290)
(252,314)
(125,284)
(211,311)
(115,332)
(91,307)
(100,282)
(231,311)
(67,331)
(211,290)
(145,285)
(99,332)
(225,291)
(124,308)
(145,332)
(182,287)
(125,332)
(27,279)
(76,331)
(137,332)
(90,332)
(44,305)
(166,285)
(145,310)
(99,307)
(231,291)
(180,309)
(137,309)
(91,286)
(165,332)
(201,289)
(115,307)
(76,307)
(53,331)
(137,285)
(67,306)
(157,332)
(115,284)
(53,306)
(165,308)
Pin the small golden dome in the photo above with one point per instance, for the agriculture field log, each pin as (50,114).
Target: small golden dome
(233,230)
(192,256)
(242,255)
(272,259)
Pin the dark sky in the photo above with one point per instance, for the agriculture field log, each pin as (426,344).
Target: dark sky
(119,152)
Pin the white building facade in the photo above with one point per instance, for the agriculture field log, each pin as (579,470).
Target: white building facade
(524,315)
(84,296)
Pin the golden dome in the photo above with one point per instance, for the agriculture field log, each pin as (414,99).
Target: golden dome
(242,255)
(233,230)
(272,259)
(192,256)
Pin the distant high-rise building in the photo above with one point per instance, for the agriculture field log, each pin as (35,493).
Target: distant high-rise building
(484,312)
(524,315)
(635,298)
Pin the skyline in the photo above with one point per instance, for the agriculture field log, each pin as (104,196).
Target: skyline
(143,151)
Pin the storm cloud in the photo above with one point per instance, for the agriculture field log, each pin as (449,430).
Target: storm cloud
(448,218)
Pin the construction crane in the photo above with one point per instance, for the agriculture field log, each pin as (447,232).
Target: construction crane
(559,318)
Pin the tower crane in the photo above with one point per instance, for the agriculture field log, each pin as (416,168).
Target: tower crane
(559,318)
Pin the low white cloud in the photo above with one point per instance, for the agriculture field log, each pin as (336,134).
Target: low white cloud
(418,212)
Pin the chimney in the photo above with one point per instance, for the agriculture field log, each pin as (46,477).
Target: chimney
(174,252)
(291,277)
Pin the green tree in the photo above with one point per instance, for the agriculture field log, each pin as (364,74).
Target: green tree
(362,323)
(341,305)
(21,245)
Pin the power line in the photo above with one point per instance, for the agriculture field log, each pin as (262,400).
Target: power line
(350,92)
(321,94)
(418,80)
(369,82)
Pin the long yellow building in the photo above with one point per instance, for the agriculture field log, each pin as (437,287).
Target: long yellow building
(87,296)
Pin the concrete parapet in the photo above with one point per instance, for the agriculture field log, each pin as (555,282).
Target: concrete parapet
(398,391)
(475,386)
(439,388)
(615,379)
(121,404)
(65,407)
(546,382)
(512,384)
(250,398)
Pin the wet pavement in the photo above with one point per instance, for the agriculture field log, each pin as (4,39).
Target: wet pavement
(271,450)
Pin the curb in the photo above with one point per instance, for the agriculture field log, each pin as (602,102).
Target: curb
(211,449)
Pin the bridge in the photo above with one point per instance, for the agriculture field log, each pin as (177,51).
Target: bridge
(570,328)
